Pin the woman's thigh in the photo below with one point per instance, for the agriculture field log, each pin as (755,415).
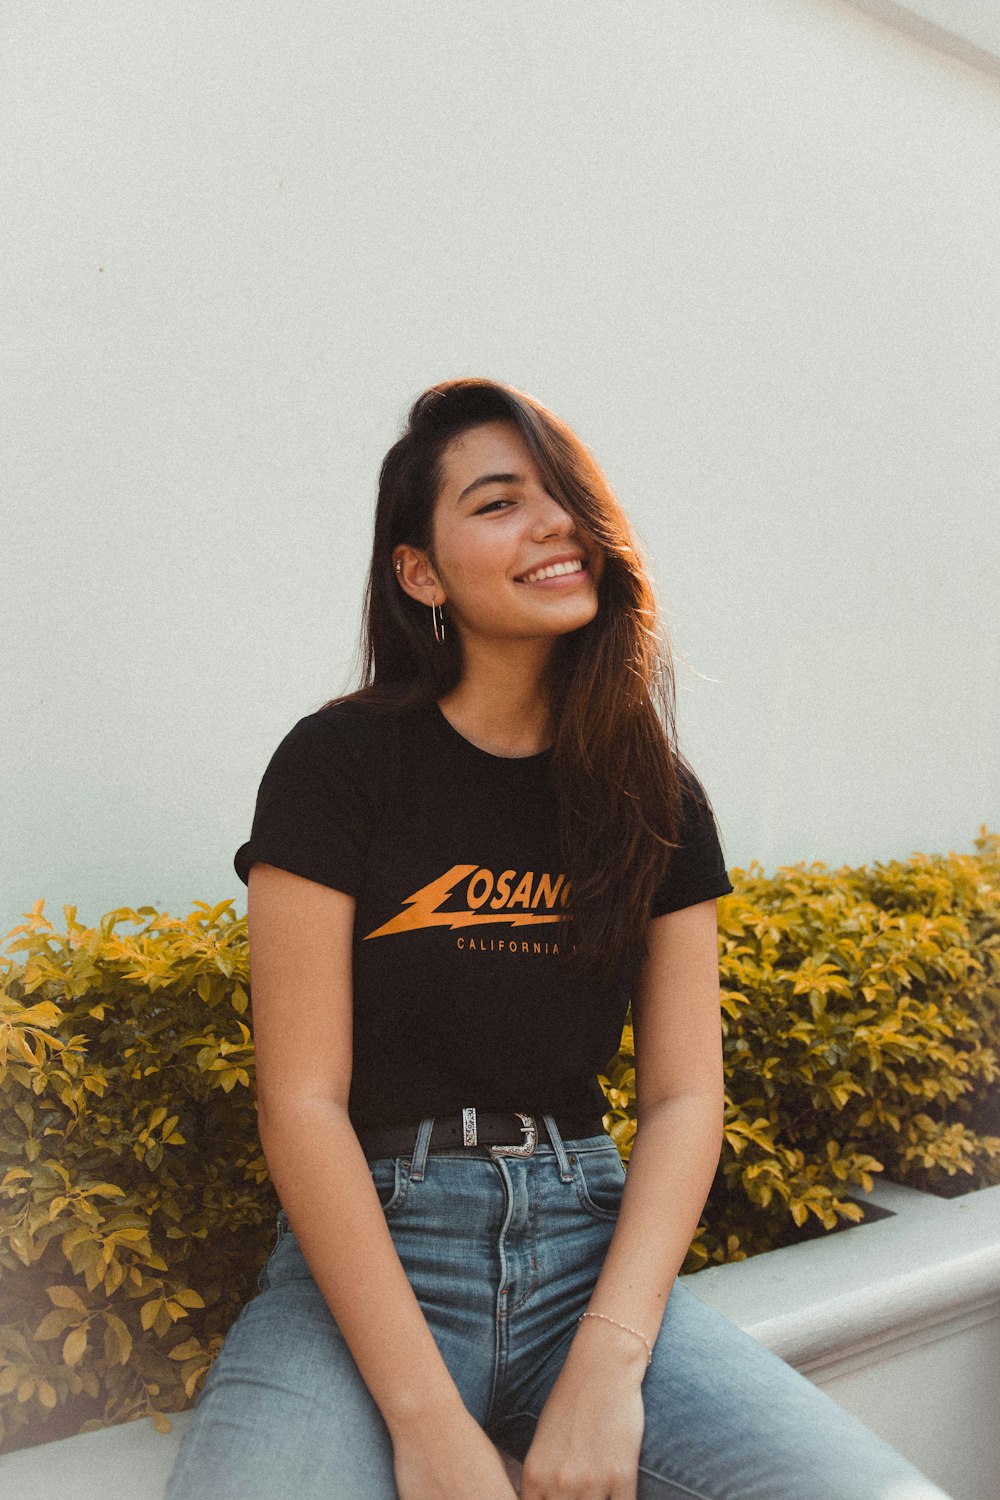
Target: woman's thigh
(284,1410)
(727,1419)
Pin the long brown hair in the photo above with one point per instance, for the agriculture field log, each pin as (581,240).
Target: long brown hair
(615,763)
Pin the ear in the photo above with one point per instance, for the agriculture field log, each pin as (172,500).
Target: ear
(415,574)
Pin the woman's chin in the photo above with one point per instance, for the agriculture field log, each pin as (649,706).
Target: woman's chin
(563,622)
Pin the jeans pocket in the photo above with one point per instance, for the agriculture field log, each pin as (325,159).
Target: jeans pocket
(392,1181)
(600,1178)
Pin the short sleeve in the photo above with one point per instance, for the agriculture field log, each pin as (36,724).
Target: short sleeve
(313,813)
(697,868)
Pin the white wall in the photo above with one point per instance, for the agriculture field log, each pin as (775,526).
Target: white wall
(969,29)
(749,252)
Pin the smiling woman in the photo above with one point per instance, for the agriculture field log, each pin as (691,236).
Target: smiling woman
(496,518)
(481,546)
(461,876)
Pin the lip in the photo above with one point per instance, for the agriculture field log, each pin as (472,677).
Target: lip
(548,562)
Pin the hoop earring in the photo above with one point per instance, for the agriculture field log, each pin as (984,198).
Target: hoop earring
(436,610)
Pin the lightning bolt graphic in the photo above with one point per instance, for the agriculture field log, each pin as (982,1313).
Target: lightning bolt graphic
(422,909)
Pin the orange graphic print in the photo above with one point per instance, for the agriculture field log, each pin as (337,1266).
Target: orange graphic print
(519,899)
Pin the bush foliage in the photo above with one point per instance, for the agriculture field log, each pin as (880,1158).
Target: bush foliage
(861,1034)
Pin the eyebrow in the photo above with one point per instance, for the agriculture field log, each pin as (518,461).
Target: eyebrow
(485,479)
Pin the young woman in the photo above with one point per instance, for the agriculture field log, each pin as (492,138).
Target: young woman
(459,876)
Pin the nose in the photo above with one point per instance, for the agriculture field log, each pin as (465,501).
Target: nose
(551,518)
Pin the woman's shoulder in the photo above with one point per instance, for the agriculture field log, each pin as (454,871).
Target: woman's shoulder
(347,748)
(693,792)
(363,726)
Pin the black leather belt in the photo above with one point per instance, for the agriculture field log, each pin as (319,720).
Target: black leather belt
(505,1132)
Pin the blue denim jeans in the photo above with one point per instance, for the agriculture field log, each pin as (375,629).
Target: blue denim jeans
(503,1253)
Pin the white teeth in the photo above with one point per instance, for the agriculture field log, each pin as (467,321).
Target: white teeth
(555,571)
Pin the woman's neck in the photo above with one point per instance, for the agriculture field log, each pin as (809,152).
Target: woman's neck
(500,704)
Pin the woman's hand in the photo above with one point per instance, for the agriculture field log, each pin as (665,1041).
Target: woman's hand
(453,1459)
(587,1439)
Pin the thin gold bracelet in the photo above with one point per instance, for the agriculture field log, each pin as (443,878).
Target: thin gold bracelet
(645,1340)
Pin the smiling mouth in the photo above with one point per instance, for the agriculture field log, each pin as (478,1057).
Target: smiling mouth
(556,570)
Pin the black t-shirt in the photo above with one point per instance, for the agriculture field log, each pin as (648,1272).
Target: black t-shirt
(452,856)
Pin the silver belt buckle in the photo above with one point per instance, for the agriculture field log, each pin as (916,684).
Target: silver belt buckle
(530,1133)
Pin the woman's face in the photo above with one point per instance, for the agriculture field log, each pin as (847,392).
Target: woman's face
(491,536)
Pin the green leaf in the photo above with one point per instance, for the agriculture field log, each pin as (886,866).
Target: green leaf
(75,1346)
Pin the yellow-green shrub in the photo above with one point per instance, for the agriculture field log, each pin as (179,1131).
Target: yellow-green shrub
(135,1202)
(861,1021)
(861,1033)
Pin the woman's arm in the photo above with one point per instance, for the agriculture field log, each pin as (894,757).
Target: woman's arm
(591,1426)
(680,1104)
(300,959)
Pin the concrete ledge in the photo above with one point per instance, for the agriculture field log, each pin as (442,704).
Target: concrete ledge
(930,1266)
(898,1320)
